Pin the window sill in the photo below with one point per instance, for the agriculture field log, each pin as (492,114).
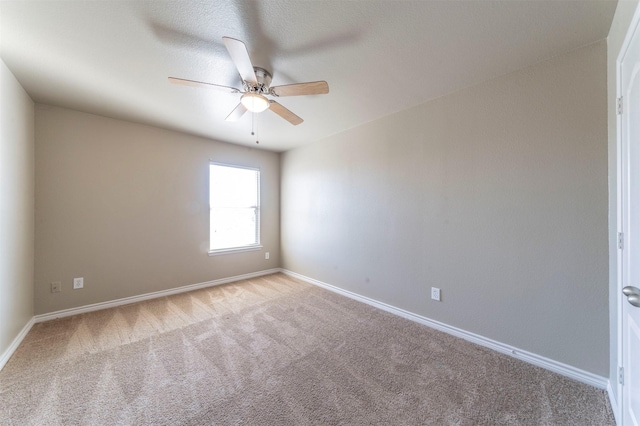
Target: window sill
(234,250)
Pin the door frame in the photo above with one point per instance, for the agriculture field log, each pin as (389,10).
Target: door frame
(621,166)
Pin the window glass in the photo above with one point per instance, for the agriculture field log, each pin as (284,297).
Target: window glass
(234,197)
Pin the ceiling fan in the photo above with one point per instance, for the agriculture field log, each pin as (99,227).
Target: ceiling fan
(256,86)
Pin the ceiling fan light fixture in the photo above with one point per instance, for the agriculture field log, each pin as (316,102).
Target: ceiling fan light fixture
(256,82)
(254,102)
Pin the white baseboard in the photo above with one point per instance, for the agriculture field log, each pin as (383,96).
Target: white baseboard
(614,403)
(6,355)
(538,360)
(154,295)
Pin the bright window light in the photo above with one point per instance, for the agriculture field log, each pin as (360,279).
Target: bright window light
(234,197)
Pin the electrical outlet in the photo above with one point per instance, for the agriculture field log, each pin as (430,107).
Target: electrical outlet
(266,255)
(435,293)
(78,283)
(56,287)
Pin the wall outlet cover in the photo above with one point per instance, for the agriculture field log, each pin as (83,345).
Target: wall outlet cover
(78,283)
(435,293)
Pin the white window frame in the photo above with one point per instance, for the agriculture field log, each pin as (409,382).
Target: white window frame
(250,247)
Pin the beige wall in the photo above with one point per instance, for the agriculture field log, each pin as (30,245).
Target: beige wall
(497,194)
(617,33)
(16,208)
(126,207)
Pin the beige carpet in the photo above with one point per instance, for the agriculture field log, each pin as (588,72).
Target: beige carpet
(274,351)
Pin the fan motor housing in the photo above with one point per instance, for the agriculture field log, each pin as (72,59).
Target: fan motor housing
(264,80)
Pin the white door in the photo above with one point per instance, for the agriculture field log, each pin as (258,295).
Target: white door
(630,156)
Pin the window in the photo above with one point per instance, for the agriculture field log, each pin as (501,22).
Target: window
(234,199)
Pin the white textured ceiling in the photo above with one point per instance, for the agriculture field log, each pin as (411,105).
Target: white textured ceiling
(113,57)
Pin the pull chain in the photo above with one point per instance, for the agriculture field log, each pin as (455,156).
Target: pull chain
(254,126)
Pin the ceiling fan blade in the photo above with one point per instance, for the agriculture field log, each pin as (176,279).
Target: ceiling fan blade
(236,113)
(240,57)
(194,83)
(311,88)
(285,113)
